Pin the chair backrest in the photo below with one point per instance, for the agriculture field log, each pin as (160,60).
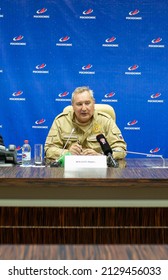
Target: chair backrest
(99,107)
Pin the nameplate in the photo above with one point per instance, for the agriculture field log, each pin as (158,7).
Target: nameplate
(79,162)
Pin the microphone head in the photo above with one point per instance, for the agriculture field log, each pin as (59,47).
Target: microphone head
(104,144)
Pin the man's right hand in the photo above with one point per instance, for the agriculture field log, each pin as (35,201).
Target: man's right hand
(75,149)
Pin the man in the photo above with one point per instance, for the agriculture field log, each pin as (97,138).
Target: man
(76,131)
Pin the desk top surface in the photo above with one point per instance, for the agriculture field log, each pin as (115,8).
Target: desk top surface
(129,168)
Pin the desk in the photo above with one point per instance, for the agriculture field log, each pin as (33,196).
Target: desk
(83,252)
(42,205)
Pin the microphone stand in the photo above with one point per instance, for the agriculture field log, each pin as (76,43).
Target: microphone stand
(56,163)
(145,154)
(149,155)
(111,161)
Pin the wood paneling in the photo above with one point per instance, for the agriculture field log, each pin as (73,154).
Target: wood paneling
(40,225)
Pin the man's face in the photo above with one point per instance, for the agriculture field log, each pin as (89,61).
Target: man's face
(83,106)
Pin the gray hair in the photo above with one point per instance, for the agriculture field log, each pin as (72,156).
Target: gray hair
(79,90)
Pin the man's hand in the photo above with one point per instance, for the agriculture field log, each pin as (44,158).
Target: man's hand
(75,149)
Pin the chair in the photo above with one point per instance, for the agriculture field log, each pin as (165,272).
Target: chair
(98,107)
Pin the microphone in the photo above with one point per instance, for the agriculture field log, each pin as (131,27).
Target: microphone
(147,155)
(107,151)
(60,161)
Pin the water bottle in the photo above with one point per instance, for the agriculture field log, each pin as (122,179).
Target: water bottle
(26,153)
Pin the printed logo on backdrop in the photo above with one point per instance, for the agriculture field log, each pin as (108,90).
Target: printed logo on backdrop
(0,125)
(109,97)
(155,150)
(86,70)
(18,41)
(132,125)
(40,69)
(63,42)
(41,13)
(63,96)
(155,98)
(17,96)
(40,124)
(156,43)
(132,70)
(133,15)
(18,148)
(109,42)
(87,14)
(1,15)
(1,70)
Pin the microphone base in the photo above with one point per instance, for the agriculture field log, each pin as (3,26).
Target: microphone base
(55,164)
(112,162)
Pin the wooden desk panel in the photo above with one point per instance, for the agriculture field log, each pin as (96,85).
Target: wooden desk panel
(44,224)
(83,225)
(83,252)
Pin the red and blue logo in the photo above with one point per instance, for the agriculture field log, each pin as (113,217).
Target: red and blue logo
(18,38)
(108,95)
(40,121)
(87,67)
(88,12)
(17,93)
(41,11)
(64,39)
(41,66)
(156,150)
(133,13)
(156,95)
(132,122)
(63,94)
(155,41)
(133,67)
(110,40)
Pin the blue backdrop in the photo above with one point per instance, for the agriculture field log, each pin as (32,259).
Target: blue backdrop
(117,48)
